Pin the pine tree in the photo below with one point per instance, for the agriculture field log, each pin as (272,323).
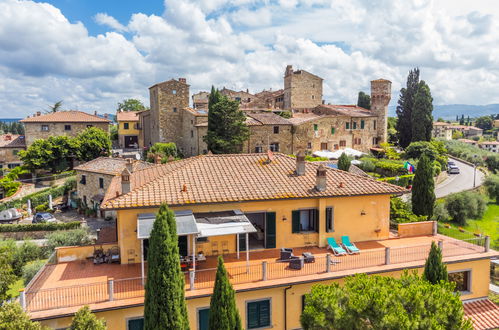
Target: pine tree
(423,189)
(404,108)
(164,306)
(224,314)
(344,162)
(227,129)
(85,320)
(364,100)
(422,118)
(434,269)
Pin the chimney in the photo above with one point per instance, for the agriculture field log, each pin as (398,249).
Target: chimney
(8,137)
(182,80)
(125,181)
(300,163)
(95,113)
(320,183)
(129,165)
(38,113)
(106,115)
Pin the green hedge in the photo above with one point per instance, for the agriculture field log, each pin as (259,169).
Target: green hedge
(403,180)
(9,228)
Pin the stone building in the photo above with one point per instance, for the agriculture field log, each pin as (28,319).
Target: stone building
(10,145)
(314,125)
(69,123)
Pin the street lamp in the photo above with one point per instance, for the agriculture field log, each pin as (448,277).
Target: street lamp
(474,170)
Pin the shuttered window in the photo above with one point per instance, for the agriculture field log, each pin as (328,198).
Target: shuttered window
(347,125)
(136,324)
(296,222)
(305,221)
(332,130)
(258,314)
(362,124)
(203,317)
(329,219)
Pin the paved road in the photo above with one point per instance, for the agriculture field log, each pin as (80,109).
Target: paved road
(459,182)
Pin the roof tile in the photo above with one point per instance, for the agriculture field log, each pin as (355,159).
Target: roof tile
(70,116)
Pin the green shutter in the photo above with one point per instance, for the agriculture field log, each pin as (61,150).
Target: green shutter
(264,313)
(354,125)
(258,314)
(332,130)
(347,125)
(316,127)
(317,220)
(136,324)
(242,242)
(253,315)
(203,317)
(362,124)
(296,222)
(270,231)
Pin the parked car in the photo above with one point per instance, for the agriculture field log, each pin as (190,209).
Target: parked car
(43,217)
(453,169)
(450,163)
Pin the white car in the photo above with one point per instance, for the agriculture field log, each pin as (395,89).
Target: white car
(453,169)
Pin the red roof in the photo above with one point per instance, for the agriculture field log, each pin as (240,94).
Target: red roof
(71,116)
(484,313)
(127,116)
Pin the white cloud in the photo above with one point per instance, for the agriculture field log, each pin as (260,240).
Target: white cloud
(245,44)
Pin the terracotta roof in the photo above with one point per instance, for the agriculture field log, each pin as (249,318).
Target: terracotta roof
(197,112)
(381,80)
(112,166)
(441,123)
(490,142)
(299,118)
(237,177)
(12,141)
(269,119)
(71,116)
(127,116)
(353,169)
(484,313)
(345,110)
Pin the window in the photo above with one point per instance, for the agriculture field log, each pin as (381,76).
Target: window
(303,297)
(67,127)
(462,280)
(101,183)
(174,109)
(374,124)
(258,314)
(336,147)
(192,133)
(332,130)
(126,126)
(11,166)
(258,149)
(83,179)
(343,143)
(174,91)
(305,220)
(313,97)
(374,140)
(85,200)
(135,323)
(324,146)
(354,125)
(347,125)
(309,145)
(316,127)
(15,152)
(203,317)
(329,219)
(274,147)
(45,128)
(238,99)
(362,124)
(276,129)
(357,141)
(202,239)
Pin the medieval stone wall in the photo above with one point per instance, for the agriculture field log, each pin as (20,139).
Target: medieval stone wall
(91,187)
(262,136)
(33,131)
(381,92)
(302,90)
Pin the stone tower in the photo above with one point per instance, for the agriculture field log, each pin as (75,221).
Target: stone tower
(302,90)
(168,99)
(381,93)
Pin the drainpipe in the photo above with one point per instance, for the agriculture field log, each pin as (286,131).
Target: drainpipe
(286,307)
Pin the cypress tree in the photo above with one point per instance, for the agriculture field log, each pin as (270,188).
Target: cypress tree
(164,306)
(223,311)
(422,118)
(434,269)
(404,108)
(364,100)
(344,162)
(423,189)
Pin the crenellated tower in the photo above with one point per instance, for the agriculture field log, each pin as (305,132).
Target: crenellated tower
(381,93)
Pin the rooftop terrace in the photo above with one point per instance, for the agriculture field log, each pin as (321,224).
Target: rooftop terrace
(59,289)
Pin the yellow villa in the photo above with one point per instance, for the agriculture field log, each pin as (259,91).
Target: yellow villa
(128,129)
(272,217)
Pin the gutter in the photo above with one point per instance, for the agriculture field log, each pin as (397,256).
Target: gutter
(286,307)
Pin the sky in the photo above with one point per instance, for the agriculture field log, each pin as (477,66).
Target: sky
(92,54)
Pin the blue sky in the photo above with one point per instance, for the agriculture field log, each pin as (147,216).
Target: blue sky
(93,54)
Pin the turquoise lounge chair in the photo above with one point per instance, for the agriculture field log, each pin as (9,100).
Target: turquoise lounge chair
(337,250)
(349,246)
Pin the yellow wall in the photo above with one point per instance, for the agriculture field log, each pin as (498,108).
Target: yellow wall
(72,253)
(130,131)
(348,220)
(116,320)
(415,229)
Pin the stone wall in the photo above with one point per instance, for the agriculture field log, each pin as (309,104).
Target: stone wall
(33,131)
(381,92)
(9,156)
(263,135)
(189,145)
(302,90)
(91,187)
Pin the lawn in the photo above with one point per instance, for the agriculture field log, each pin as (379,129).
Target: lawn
(15,287)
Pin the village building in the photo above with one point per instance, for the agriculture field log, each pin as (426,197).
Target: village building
(313,126)
(70,123)
(128,129)
(492,146)
(10,145)
(272,217)
(444,130)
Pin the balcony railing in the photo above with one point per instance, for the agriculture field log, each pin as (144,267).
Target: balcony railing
(44,299)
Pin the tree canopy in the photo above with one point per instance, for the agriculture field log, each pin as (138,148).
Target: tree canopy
(163,150)
(492,185)
(131,105)
(364,100)
(384,302)
(12,127)
(484,122)
(224,314)
(344,162)
(227,128)
(405,107)
(423,189)
(84,319)
(12,317)
(93,143)
(7,275)
(164,300)
(421,115)
(434,269)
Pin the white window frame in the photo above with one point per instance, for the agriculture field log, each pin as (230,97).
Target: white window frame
(470,280)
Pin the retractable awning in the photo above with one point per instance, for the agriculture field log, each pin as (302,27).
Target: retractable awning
(223,223)
(186,224)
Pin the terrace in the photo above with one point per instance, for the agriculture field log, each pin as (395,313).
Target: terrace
(60,288)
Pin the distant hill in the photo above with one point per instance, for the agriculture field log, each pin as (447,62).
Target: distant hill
(450,111)
(9,120)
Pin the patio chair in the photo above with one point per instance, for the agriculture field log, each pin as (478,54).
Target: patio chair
(98,256)
(286,254)
(296,263)
(349,246)
(214,248)
(225,247)
(337,250)
(308,257)
(114,255)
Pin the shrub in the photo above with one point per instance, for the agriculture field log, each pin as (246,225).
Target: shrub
(48,226)
(401,212)
(367,165)
(30,269)
(440,212)
(402,180)
(24,253)
(492,185)
(75,237)
(42,207)
(164,150)
(465,205)
(492,162)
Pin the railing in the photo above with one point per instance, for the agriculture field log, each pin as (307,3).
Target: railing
(36,300)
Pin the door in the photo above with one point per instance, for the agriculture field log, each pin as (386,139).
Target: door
(146,248)
(242,242)
(131,141)
(182,246)
(270,232)
(203,317)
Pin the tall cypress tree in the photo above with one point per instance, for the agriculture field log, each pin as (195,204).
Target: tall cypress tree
(404,108)
(164,306)
(423,188)
(344,162)
(434,269)
(422,117)
(223,311)
(364,100)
